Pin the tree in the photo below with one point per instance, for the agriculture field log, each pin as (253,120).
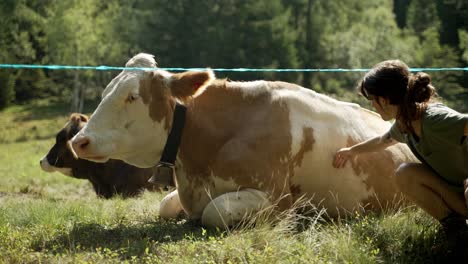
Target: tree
(356,34)
(454,16)
(7,91)
(424,22)
(81,33)
(218,33)
(422,15)
(464,45)
(22,41)
(400,8)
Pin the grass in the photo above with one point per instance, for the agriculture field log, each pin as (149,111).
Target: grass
(51,218)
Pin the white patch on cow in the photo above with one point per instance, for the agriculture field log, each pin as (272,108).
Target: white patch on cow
(229,208)
(251,89)
(143,60)
(45,165)
(170,206)
(223,186)
(111,85)
(330,121)
(65,171)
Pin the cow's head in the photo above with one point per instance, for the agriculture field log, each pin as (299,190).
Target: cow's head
(133,119)
(60,157)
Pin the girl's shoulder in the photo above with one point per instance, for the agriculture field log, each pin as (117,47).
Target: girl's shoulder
(441,120)
(440,113)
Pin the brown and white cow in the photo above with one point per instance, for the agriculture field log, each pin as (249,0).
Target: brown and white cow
(245,145)
(108,179)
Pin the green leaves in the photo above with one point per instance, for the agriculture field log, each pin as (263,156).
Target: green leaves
(228,34)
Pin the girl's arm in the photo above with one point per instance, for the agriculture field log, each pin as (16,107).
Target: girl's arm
(370,145)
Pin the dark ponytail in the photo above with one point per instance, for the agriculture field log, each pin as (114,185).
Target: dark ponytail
(419,93)
(420,89)
(393,81)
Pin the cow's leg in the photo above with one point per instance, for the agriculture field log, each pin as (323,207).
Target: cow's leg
(228,209)
(170,206)
(102,190)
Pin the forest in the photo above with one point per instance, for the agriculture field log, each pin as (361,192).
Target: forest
(273,34)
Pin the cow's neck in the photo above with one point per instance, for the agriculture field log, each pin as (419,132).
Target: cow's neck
(209,124)
(85,169)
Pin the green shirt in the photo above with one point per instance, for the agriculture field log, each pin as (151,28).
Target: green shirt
(442,145)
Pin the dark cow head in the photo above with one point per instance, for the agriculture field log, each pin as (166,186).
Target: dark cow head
(60,158)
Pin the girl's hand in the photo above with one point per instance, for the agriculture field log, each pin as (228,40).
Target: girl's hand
(342,156)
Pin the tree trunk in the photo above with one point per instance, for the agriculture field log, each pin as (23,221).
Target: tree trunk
(82,97)
(308,44)
(75,100)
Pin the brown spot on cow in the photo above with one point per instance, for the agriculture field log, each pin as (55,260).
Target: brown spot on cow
(375,167)
(155,94)
(295,190)
(306,145)
(237,156)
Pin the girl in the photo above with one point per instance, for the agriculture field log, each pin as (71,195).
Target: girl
(436,135)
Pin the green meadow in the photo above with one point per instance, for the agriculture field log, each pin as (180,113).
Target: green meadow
(52,218)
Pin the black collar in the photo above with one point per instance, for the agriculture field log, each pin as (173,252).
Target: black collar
(169,154)
(164,173)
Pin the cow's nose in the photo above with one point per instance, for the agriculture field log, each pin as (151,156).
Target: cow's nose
(79,144)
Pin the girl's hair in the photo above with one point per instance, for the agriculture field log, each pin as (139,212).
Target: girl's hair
(393,81)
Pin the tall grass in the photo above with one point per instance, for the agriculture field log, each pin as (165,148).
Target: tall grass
(51,218)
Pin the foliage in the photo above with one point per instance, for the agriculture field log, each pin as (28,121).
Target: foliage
(229,34)
(464,44)
(22,41)
(7,90)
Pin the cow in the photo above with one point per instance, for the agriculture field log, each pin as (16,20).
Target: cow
(244,146)
(108,179)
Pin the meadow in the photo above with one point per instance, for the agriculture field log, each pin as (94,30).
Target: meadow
(52,218)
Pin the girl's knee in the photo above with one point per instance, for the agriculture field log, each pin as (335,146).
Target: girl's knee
(405,176)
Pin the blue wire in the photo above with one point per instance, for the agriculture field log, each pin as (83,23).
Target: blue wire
(110,68)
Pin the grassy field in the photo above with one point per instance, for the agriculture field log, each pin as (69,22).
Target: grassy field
(51,218)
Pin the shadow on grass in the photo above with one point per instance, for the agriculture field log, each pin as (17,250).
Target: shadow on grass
(127,240)
(430,249)
(427,246)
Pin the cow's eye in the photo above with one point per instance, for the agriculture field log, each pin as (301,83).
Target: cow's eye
(132,97)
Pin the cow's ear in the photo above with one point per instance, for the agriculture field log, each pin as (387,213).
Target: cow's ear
(83,118)
(190,84)
(77,118)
